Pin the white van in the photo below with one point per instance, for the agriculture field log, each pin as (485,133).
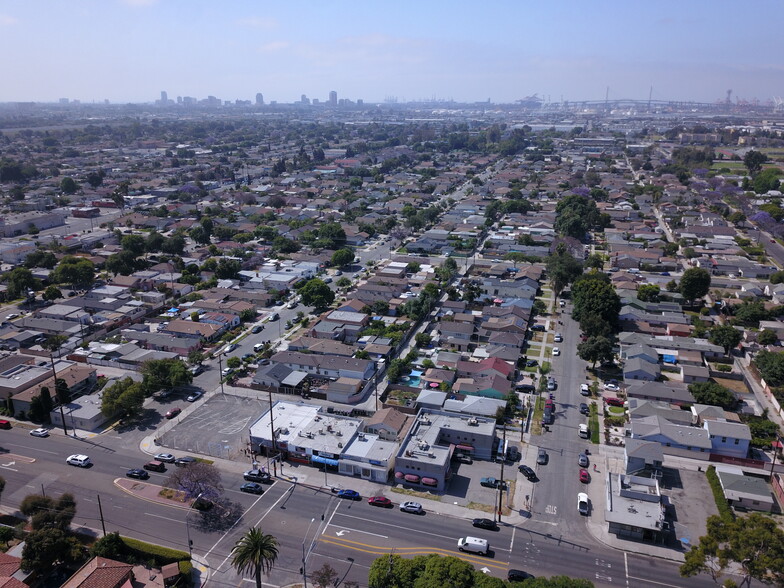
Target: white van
(258,347)
(583,431)
(474,545)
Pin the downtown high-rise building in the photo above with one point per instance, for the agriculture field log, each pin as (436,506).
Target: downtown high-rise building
(259,99)
(333,98)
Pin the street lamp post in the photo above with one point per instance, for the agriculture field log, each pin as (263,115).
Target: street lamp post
(305,556)
(187,525)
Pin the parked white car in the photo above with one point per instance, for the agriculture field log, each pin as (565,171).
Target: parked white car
(556,351)
(582,503)
(612,387)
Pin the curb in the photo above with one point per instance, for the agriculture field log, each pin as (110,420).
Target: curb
(163,502)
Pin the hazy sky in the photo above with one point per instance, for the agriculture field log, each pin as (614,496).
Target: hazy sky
(130,50)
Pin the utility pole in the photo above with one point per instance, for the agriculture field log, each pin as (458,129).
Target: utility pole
(100,512)
(272,435)
(375,377)
(501,485)
(220,367)
(59,401)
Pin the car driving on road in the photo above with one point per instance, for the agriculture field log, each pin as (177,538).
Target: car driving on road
(79,460)
(252,488)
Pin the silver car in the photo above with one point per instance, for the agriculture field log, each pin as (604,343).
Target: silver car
(411,506)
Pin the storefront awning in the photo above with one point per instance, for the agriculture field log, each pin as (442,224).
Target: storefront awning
(326,460)
(464,447)
(399,475)
(429,481)
(412,478)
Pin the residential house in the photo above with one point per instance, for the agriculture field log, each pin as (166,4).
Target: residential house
(728,438)
(746,492)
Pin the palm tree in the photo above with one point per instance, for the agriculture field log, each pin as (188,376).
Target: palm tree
(254,553)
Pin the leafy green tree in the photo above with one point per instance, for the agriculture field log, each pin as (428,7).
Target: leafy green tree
(195,357)
(36,412)
(770,366)
(199,235)
(227,269)
(342,257)
(562,269)
(767,337)
(753,544)
(595,261)
(343,282)
(750,313)
(316,293)
(41,258)
(753,160)
(95,179)
(135,244)
(125,397)
(110,546)
(233,362)
(46,401)
(52,293)
(123,263)
(695,283)
(281,244)
(595,349)
(78,271)
(53,342)
(6,534)
(648,293)
(422,339)
(777,277)
(165,373)
(68,185)
(18,281)
(713,394)
(48,547)
(593,294)
(254,553)
(331,236)
(576,215)
(46,512)
(767,180)
(725,335)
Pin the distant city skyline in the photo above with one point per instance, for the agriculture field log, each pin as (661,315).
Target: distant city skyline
(132,50)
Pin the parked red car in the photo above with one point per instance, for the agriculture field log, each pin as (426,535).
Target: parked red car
(173,413)
(614,401)
(382,501)
(585,477)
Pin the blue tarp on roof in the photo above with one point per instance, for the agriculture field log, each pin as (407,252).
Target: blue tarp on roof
(669,359)
(326,460)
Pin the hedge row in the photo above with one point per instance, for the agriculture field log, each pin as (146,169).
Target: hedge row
(725,510)
(146,551)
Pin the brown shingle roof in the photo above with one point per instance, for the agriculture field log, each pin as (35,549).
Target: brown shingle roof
(100,572)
